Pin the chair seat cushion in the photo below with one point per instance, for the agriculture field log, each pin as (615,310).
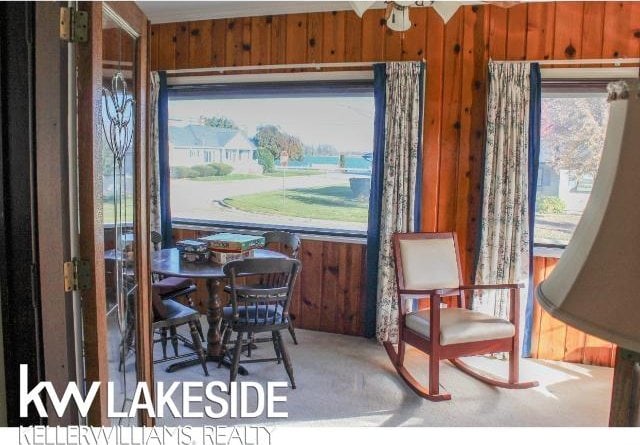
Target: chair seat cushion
(176,311)
(461,326)
(170,285)
(248,315)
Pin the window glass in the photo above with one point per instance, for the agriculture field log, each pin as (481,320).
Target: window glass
(273,155)
(572,134)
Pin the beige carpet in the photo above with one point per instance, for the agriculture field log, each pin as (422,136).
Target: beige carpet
(349,381)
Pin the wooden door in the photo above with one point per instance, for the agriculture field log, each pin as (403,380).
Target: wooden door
(112,73)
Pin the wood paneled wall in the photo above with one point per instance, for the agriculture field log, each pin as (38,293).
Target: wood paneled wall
(456,56)
(329,293)
(553,339)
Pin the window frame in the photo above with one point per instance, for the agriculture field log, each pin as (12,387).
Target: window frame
(358,83)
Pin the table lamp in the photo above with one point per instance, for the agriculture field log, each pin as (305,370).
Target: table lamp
(595,286)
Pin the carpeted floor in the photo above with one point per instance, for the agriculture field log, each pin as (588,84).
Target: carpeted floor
(349,381)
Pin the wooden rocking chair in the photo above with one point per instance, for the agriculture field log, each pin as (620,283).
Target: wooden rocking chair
(428,266)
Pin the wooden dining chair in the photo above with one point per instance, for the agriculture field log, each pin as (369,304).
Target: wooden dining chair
(428,266)
(289,244)
(168,315)
(173,288)
(261,306)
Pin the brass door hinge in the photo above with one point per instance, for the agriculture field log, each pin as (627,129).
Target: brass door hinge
(74,25)
(77,275)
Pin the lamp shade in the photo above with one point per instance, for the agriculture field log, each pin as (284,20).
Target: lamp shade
(595,286)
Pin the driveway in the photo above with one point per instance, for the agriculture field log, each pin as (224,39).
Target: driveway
(217,191)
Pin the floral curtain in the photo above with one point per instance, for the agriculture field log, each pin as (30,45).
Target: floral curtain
(504,246)
(403,124)
(154,149)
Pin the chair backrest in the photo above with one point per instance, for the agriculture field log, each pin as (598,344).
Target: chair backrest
(159,309)
(426,261)
(284,242)
(263,302)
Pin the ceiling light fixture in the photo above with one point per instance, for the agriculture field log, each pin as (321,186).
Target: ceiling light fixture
(398,18)
(397,15)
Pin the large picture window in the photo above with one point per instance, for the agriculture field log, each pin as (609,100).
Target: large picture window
(272,155)
(572,133)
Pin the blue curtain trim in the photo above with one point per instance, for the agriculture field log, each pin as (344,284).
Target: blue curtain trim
(417,216)
(418,200)
(375,198)
(163,159)
(534,160)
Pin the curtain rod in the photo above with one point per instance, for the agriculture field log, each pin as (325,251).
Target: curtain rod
(309,66)
(318,66)
(617,62)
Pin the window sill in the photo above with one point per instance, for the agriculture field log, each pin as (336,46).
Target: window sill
(341,236)
(548,251)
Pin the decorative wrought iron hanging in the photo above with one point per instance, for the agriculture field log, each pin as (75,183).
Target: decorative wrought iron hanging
(118,132)
(117,117)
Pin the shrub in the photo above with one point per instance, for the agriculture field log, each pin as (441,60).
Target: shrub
(265,159)
(203,170)
(221,169)
(183,172)
(551,204)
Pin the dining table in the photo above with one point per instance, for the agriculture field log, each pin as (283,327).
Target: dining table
(167,262)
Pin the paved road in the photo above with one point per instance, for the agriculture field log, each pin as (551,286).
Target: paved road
(217,191)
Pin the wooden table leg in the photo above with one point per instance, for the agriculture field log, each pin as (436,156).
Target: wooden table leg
(625,400)
(215,348)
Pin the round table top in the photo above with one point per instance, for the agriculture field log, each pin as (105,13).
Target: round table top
(167,262)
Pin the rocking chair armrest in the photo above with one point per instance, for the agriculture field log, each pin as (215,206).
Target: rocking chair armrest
(421,294)
(427,293)
(434,296)
(492,286)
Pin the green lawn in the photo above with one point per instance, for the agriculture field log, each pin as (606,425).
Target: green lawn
(242,176)
(229,177)
(306,172)
(330,203)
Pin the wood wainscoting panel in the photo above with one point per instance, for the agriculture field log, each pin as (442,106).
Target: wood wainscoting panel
(330,291)
(553,339)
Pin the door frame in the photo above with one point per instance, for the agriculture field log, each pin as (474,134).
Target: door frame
(91,238)
(54,248)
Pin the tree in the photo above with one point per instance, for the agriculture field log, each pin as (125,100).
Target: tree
(265,159)
(574,133)
(320,150)
(270,137)
(219,122)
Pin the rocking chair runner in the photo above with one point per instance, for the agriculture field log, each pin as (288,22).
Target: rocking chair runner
(428,266)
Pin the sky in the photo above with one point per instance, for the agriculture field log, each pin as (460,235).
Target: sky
(344,122)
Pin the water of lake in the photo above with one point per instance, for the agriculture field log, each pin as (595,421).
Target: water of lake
(355,162)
